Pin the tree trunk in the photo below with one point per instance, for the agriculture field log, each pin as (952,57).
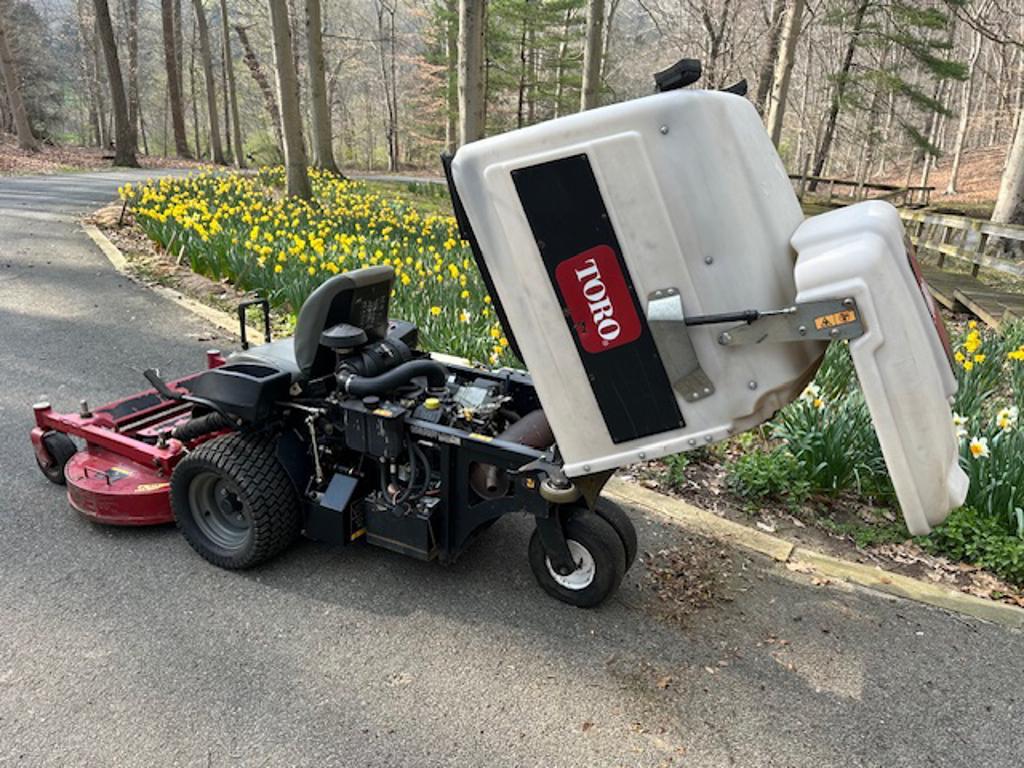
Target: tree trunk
(776,108)
(12,83)
(232,91)
(840,92)
(966,99)
(192,92)
(387,55)
(451,57)
(171,61)
(1010,203)
(768,63)
(521,90)
(563,51)
(590,93)
(323,142)
(216,148)
(124,150)
(132,43)
(263,82)
(288,92)
(472,26)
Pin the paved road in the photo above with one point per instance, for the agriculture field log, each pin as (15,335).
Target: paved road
(122,648)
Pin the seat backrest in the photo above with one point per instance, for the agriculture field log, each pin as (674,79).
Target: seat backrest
(359,298)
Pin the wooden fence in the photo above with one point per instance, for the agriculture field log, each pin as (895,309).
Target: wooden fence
(970,241)
(842,191)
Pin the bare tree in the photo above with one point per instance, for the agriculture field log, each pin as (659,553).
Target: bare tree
(124,149)
(842,82)
(451,56)
(323,141)
(131,12)
(232,92)
(216,148)
(386,43)
(1010,203)
(966,99)
(766,73)
(172,61)
(590,94)
(263,82)
(12,82)
(472,26)
(776,108)
(288,92)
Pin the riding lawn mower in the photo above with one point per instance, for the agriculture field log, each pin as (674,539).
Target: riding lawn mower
(650,265)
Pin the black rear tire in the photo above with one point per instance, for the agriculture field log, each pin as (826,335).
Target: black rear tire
(61,449)
(233,501)
(600,556)
(617,518)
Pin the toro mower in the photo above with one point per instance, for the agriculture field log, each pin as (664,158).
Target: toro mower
(650,265)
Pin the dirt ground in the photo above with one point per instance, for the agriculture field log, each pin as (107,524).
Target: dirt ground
(61,159)
(977,181)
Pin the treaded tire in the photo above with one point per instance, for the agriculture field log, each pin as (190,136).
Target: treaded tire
(245,466)
(61,449)
(617,518)
(607,554)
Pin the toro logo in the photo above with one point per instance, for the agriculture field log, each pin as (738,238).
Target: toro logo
(594,291)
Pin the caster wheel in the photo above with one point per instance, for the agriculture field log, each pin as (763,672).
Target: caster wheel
(233,501)
(61,449)
(600,558)
(617,518)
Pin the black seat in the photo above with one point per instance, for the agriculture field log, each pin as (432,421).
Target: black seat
(359,298)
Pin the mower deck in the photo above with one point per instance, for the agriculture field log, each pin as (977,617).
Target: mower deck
(122,476)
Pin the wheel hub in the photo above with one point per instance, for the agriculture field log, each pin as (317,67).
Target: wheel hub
(218,511)
(580,578)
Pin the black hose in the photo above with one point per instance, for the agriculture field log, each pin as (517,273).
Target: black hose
(361,386)
(199,426)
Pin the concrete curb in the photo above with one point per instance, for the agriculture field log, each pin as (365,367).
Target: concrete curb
(691,517)
(814,563)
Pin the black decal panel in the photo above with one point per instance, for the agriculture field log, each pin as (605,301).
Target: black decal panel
(570,223)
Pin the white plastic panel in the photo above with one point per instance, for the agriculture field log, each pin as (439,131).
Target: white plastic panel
(699,202)
(859,252)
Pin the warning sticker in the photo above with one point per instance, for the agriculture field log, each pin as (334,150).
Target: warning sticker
(146,487)
(845,317)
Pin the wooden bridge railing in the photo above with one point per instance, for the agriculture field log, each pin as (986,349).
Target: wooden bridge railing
(974,241)
(849,191)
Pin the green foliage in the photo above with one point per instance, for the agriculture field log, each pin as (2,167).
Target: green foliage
(978,538)
(866,535)
(834,444)
(836,377)
(675,470)
(762,475)
(921,31)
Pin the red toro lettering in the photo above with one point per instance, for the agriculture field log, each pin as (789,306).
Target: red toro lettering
(595,293)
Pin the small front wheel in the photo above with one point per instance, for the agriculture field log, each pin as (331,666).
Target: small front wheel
(600,558)
(60,449)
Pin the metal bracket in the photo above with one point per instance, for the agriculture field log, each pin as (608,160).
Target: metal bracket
(672,339)
(824,320)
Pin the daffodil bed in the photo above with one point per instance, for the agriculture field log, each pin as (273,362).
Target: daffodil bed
(821,452)
(242,228)
(820,448)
